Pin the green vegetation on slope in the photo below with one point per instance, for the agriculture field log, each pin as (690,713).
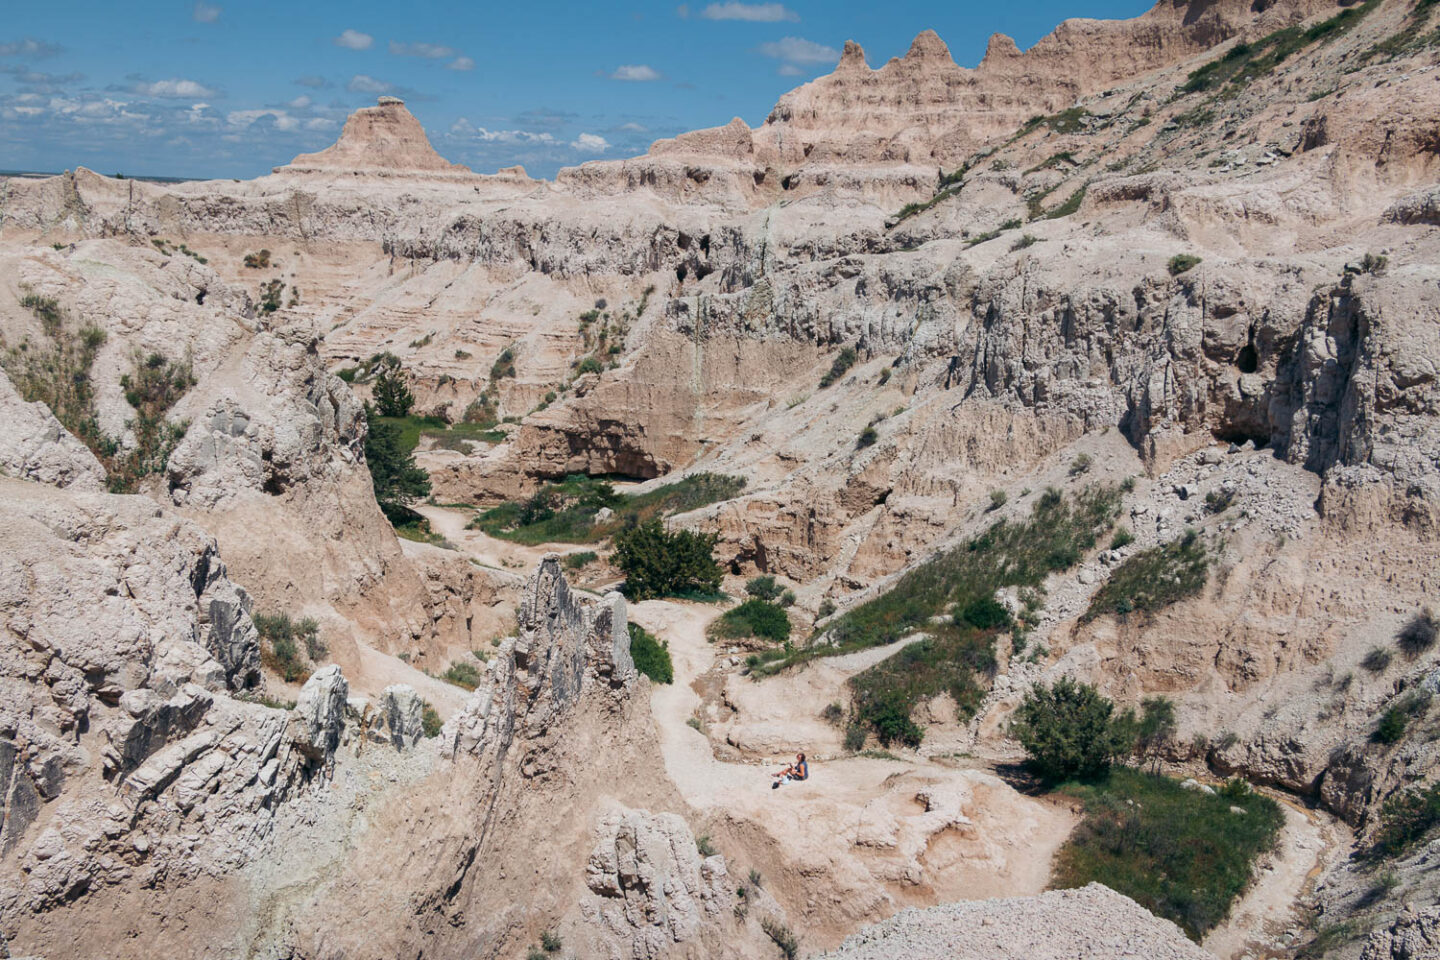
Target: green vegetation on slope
(1247,61)
(1155,578)
(564,512)
(957,656)
(1182,854)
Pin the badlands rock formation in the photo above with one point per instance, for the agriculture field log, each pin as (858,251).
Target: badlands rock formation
(1146,246)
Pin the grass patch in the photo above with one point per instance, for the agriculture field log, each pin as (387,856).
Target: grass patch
(282,640)
(651,655)
(579,560)
(1179,853)
(1155,578)
(1057,533)
(1247,61)
(753,618)
(957,657)
(463,673)
(564,512)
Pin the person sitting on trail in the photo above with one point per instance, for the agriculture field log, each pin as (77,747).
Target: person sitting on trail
(797,771)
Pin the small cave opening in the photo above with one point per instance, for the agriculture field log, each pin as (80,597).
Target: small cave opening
(788,183)
(702,271)
(759,176)
(681,272)
(1247,359)
(705,244)
(683,241)
(1239,435)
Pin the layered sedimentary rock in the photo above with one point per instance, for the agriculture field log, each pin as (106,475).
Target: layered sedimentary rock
(384,139)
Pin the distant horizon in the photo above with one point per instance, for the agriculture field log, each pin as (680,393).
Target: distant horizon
(225,91)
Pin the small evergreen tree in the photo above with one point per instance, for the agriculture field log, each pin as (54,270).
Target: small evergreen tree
(392,397)
(1070,731)
(398,482)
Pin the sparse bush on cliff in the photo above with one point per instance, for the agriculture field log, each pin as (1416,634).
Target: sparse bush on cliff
(1155,578)
(281,638)
(1419,634)
(1182,262)
(842,363)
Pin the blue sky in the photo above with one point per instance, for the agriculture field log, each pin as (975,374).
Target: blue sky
(231,89)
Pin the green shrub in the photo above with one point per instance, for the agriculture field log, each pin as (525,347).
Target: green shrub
(787,598)
(257,261)
(430,722)
(889,716)
(1026,240)
(783,937)
(1182,262)
(753,618)
(463,673)
(1154,578)
(657,563)
(588,365)
(986,613)
(1156,726)
(1405,819)
(1181,854)
(579,560)
(1070,731)
(281,639)
(703,846)
(833,713)
(651,656)
(1419,634)
(1394,721)
(550,942)
(998,499)
(867,438)
(1122,538)
(855,735)
(826,608)
(843,361)
(1081,464)
(504,366)
(1218,501)
(1377,660)
(762,588)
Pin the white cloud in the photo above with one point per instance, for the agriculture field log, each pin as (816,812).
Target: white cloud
(462,63)
(633,127)
(464,128)
(590,143)
(29,47)
(635,72)
(430,51)
(175,89)
(360,83)
(320,123)
(300,102)
(206,12)
(800,50)
(752,12)
(789,70)
(244,118)
(354,40)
